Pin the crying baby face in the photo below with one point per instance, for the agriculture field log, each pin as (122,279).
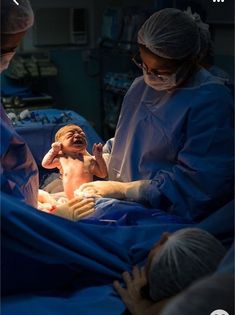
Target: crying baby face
(72,138)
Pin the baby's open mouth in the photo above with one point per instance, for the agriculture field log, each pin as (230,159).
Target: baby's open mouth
(79,142)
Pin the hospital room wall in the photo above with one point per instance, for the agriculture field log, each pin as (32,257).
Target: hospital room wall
(77,81)
(74,88)
(220,16)
(224,47)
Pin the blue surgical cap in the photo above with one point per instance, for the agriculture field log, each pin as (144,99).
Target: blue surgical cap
(171,33)
(16,16)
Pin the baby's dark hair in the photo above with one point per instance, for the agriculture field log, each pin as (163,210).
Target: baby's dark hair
(62,131)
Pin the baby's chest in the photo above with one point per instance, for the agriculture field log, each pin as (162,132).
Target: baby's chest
(75,166)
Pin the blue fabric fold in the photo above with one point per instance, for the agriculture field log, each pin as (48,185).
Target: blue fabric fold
(54,266)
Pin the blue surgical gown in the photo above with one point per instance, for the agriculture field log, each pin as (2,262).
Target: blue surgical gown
(19,171)
(181,141)
(220,74)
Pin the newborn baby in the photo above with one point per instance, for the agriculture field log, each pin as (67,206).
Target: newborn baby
(69,154)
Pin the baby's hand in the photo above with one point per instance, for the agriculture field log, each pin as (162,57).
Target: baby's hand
(56,147)
(97,150)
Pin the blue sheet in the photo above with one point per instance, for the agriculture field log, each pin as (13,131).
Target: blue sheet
(227,264)
(54,266)
(39,136)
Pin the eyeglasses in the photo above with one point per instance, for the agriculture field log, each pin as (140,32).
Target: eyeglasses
(164,73)
(139,63)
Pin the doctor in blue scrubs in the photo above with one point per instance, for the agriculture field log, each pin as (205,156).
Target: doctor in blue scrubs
(19,172)
(173,146)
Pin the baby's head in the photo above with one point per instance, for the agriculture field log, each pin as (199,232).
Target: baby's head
(179,259)
(72,138)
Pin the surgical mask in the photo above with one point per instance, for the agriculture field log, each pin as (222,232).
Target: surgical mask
(5,60)
(167,82)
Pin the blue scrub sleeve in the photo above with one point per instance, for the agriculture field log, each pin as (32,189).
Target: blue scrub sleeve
(19,172)
(202,167)
(107,148)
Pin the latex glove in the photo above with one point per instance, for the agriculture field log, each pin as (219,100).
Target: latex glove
(56,147)
(76,209)
(131,295)
(108,189)
(133,191)
(87,194)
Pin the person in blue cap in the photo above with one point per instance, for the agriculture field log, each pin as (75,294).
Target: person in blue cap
(173,145)
(19,172)
(177,261)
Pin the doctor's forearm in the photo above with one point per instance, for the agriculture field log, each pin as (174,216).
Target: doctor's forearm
(136,191)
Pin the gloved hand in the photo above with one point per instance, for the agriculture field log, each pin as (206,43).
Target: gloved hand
(76,208)
(133,191)
(109,189)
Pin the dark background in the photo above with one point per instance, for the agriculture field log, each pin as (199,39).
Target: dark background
(79,84)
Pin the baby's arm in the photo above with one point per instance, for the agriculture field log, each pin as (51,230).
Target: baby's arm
(99,167)
(50,160)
